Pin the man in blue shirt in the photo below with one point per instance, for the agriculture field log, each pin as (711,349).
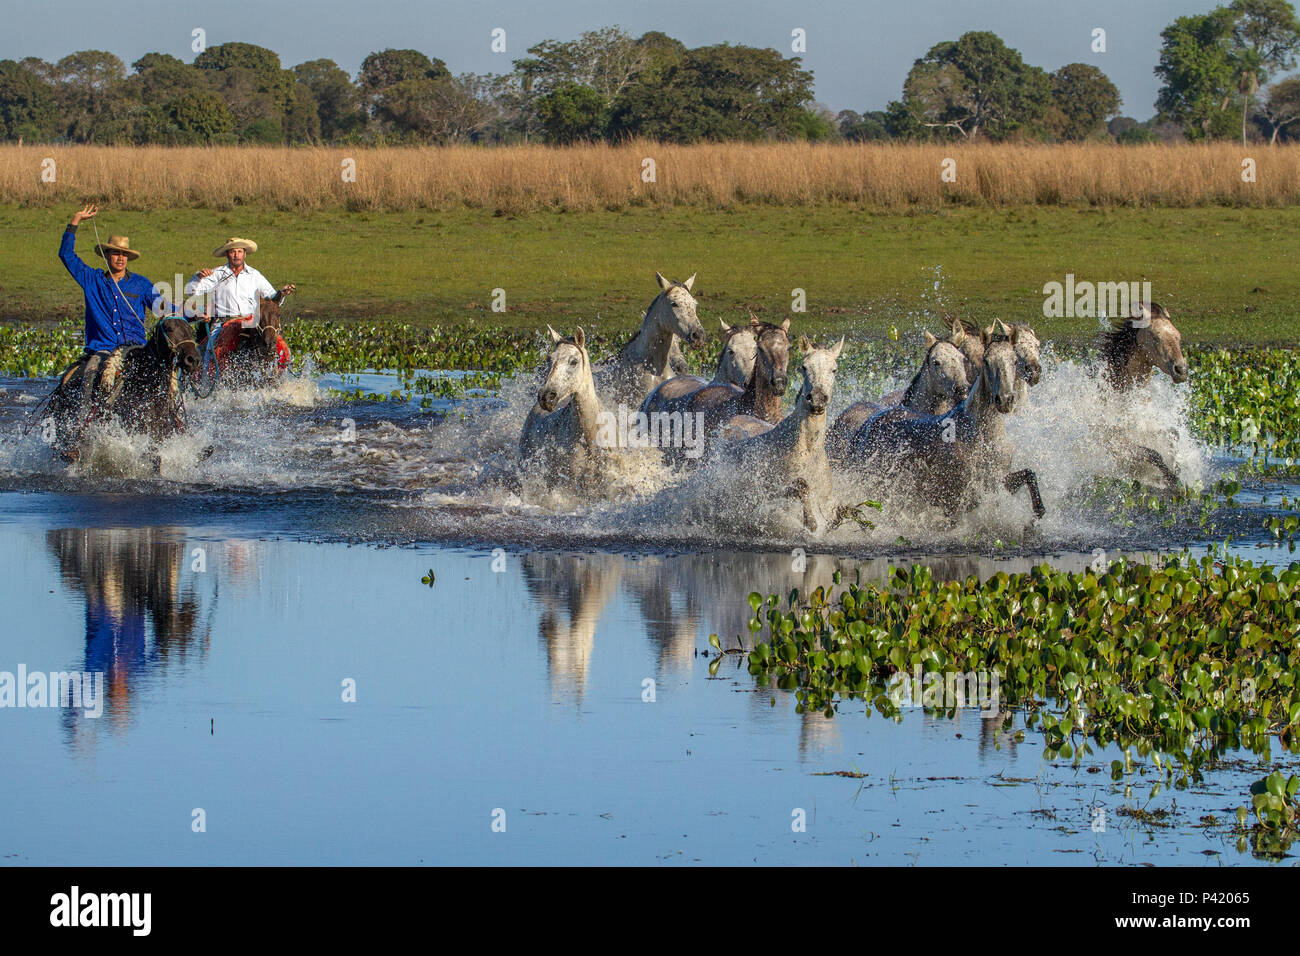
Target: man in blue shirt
(117,301)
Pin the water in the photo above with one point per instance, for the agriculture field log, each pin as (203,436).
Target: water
(230,601)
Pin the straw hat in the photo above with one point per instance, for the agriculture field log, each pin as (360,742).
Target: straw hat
(116,244)
(234,242)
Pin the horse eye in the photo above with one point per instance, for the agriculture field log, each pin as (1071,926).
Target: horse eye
(573,361)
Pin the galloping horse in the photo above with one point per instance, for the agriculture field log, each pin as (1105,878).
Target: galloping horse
(939,385)
(144,393)
(735,367)
(1144,343)
(790,457)
(559,435)
(720,401)
(948,459)
(253,356)
(645,361)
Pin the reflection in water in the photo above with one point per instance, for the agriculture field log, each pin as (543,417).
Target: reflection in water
(132,582)
(681,599)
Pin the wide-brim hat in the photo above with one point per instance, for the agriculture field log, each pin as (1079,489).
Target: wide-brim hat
(116,244)
(234,242)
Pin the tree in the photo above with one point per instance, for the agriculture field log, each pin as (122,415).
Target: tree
(717,93)
(301,121)
(383,70)
(572,112)
(90,91)
(1265,38)
(337,102)
(1199,74)
(435,110)
(862,127)
(27,108)
(1085,97)
(199,117)
(258,92)
(602,60)
(160,77)
(974,84)
(1281,106)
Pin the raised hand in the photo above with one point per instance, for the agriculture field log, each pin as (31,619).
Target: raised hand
(204,273)
(287,290)
(86,212)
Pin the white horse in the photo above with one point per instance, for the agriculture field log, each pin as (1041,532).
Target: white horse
(938,386)
(789,458)
(735,367)
(646,360)
(559,436)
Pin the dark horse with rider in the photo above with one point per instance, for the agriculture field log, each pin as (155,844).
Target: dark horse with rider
(140,377)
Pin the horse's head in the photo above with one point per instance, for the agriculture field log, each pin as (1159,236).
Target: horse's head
(971,345)
(1159,341)
(569,371)
(1028,349)
(772,355)
(175,338)
(944,370)
(818,369)
(739,351)
(268,321)
(680,315)
(999,368)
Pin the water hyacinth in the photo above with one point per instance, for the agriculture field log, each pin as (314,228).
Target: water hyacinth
(1185,659)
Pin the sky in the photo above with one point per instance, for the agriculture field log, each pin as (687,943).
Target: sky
(859,52)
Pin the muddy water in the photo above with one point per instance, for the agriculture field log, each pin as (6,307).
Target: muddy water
(554,671)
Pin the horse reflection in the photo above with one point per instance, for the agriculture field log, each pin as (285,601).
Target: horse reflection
(131,579)
(573,591)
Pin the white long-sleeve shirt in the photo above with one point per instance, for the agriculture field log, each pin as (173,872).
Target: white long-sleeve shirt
(232,295)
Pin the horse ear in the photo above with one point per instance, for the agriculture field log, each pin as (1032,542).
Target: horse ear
(785,326)
(838,347)
(725,327)
(580,339)
(805,344)
(556,337)
(1001,328)
(663,283)
(929,340)
(958,332)
(689,282)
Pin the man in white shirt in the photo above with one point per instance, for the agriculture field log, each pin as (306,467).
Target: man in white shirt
(236,289)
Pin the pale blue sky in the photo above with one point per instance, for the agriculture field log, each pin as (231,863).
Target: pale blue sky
(860,52)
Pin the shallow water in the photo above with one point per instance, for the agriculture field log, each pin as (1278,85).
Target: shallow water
(228,601)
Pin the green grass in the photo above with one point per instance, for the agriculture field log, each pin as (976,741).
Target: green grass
(1228,276)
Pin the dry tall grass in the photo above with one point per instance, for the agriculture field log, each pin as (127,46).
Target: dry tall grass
(527,178)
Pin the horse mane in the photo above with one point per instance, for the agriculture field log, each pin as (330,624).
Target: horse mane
(1118,345)
(915,383)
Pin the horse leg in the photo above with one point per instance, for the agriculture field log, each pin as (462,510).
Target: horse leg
(1154,458)
(799,489)
(1026,476)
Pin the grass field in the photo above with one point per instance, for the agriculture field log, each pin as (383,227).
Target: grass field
(1228,275)
(523,179)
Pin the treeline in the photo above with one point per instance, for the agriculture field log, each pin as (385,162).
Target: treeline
(607,85)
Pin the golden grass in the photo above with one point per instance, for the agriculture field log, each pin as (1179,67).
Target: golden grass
(523,179)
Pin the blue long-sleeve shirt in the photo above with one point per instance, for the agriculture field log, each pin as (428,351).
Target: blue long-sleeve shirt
(116,313)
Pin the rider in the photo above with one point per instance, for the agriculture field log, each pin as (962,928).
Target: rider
(117,303)
(236,290)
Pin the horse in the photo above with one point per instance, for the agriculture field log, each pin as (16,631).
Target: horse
(790,457)
(559,434)
(645,361)
(250,356)
(735,367)
(719,402)
(140,385)
(949,458)
(937,387)
(1144,343)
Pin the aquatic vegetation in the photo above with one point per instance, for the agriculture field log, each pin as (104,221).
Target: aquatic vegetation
(1277,816)
(1184,659)
(1250,398)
